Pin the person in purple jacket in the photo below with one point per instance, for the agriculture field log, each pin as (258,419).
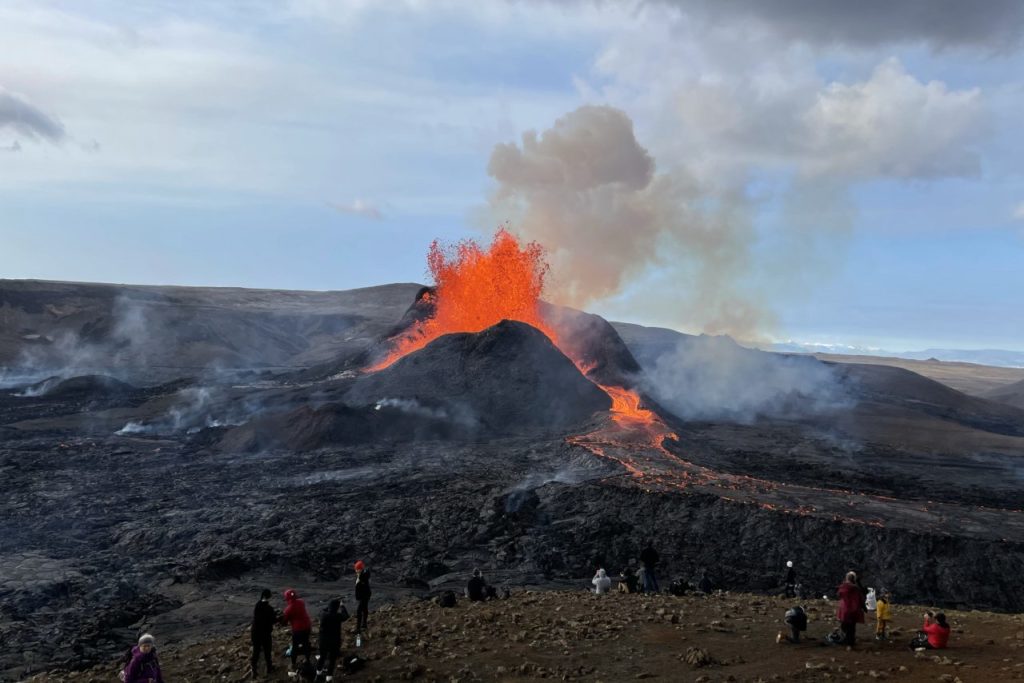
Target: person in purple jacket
(143,667)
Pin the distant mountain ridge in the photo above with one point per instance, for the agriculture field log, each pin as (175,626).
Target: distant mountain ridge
(997,357)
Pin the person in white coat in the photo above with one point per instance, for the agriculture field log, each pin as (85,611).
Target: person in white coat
(602,584)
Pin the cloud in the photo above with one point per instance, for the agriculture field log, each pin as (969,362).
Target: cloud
(13,147)
(359,207)
(893,125)
(997,26)
(1018,212)
(17,113)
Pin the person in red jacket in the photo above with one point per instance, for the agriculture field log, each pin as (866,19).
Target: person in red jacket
(851,611)
(934,635)
(297,618)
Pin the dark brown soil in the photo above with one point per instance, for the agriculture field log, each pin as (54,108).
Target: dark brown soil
(579,636)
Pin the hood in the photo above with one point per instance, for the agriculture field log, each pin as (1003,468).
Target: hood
(601,573)
(333,606)
(290,595)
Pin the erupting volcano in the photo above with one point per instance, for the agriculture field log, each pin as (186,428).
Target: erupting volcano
(476,288)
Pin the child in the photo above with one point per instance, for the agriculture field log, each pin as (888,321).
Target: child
(883,615)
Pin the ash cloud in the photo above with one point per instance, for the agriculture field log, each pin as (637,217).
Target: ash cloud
(24,118)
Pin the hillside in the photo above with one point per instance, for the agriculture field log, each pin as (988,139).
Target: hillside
(573,635)
(1010,394)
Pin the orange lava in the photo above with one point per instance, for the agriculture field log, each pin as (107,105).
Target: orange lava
(475,288)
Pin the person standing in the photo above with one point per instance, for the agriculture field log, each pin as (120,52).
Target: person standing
(144,666)
(262,632)
(476,589)
(330,637)
(649,557)
(363,593)
(790,580)
(851,608)
(602,584)
(297,618)
(883,615)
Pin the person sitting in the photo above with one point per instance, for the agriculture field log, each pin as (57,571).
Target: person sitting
(602,584)
(476,589)
(934,635)
(796,619)
(627,581)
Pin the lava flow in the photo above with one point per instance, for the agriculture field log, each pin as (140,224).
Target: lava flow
(475,288)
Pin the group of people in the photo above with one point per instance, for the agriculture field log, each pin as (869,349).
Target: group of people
(296,616)
(142,666)
(854,604)
(644,580)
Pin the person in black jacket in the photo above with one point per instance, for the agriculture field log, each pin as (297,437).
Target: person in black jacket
(263,620)
(790,580)
(363,593)
(649,557)
(476,589)
(330,637)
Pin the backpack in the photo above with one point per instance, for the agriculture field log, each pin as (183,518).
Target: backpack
(122,675)
(353,664)
(447,599)
(343,614)
(307,670)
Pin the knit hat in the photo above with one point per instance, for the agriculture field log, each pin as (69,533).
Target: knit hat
(359,566)
(146,639)
(789,563)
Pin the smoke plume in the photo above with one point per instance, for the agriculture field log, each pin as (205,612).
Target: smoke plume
(713,378)
(590,193)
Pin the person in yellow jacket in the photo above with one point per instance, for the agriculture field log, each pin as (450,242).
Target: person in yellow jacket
(883,615)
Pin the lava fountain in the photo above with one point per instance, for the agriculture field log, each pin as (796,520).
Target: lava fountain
(475,288)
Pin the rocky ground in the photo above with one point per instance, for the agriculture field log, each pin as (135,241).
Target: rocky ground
(573,635)
(137,503)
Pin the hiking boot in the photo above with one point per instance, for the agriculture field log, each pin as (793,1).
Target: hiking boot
(293,674)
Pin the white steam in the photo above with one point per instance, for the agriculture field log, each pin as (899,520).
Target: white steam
(713,378)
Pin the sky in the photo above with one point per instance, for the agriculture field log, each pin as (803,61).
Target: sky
(823,172)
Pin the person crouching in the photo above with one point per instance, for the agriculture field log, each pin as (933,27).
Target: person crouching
(796,619)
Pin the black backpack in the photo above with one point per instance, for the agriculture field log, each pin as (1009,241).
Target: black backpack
(307,671)
(447,599)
